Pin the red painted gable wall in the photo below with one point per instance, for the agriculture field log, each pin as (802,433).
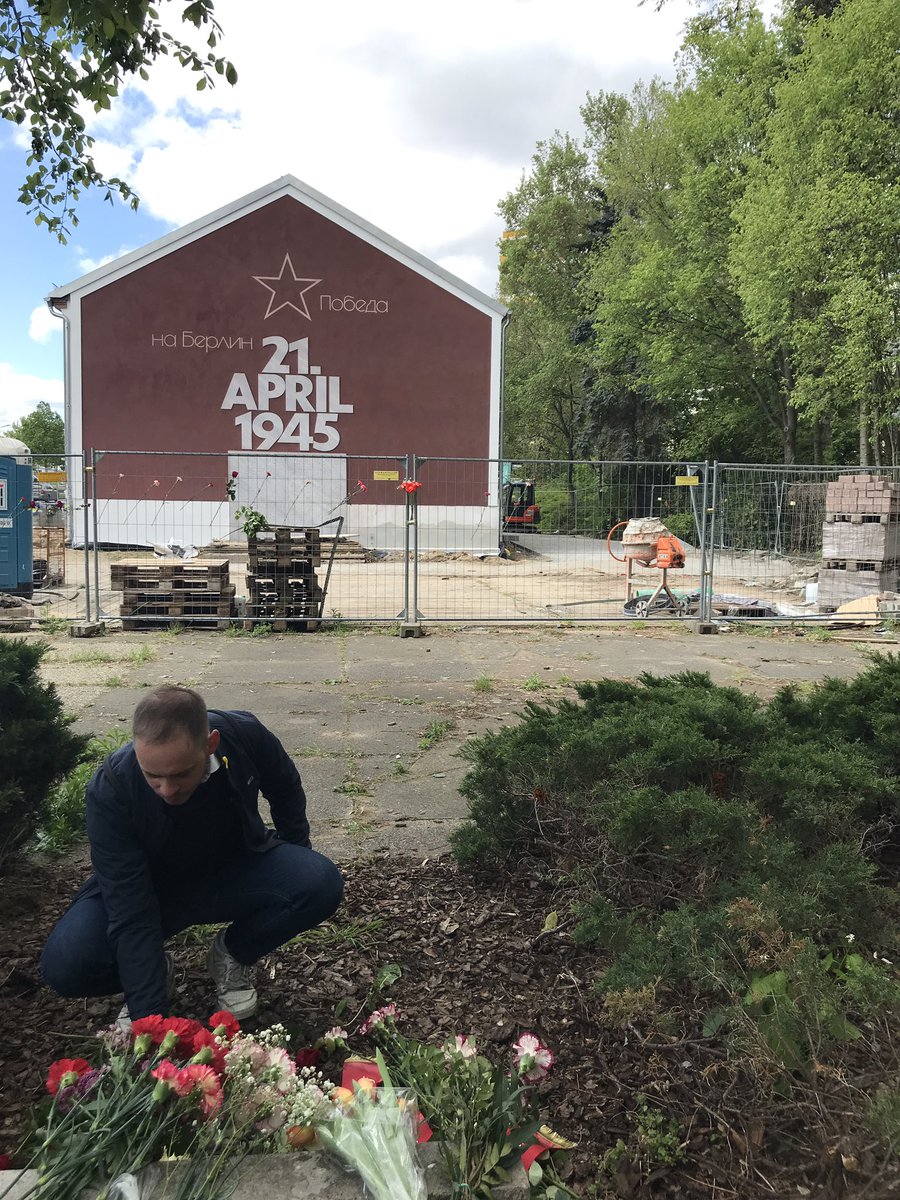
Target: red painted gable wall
(165,347)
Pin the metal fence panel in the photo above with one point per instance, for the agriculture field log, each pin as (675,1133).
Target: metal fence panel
(153,511)
(797,542)
(477,560)
(60,575)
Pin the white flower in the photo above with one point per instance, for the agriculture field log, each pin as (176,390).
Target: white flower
(532,1058)
(460,1047)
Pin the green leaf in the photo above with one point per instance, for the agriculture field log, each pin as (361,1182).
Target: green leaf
(550,922)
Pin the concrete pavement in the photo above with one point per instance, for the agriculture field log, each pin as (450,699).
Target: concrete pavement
(376,722)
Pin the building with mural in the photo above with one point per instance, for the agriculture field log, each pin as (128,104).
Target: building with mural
(283,353)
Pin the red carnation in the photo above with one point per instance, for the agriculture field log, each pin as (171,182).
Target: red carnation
(308,1056)
(5,1162)
(152,1025)
(202,1039)
(184,1029)
(232,1026)
(65,1071)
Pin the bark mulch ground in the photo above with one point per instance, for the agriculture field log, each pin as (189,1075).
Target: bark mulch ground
(474,954)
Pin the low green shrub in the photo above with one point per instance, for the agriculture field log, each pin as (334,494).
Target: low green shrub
(37,744)
(62,817)
(713,836)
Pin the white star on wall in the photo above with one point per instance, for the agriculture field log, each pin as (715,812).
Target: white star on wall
(287,284)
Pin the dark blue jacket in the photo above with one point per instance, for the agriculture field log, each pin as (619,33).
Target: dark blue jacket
(127,827)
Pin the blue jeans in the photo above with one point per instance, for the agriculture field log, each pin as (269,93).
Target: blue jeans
(267,897)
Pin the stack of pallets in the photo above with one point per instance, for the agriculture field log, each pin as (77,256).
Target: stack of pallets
(155,592)
(860,539)
(281,574)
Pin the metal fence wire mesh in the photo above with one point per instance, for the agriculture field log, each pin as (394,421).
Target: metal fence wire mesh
(288,538)
(799,542)
(154,538)
(551,522)
(60,565)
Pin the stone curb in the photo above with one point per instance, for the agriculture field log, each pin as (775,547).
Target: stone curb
(299,1176)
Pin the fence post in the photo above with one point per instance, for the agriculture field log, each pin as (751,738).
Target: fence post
(710,525)
(95,522)
(411,626)
(85,471)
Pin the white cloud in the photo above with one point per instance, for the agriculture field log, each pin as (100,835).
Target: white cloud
(91,264)
(42,324)
(419,118)
(20,394)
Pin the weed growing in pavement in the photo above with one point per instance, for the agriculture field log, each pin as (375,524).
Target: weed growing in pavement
(817,634)
(258,629)
(400,768)
(51,624)
(93,657)
(142,654)
(115,681)
(408,700)
(534,684)
(483,683)
(435,733)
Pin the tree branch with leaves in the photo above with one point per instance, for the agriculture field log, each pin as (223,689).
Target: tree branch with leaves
(59,59)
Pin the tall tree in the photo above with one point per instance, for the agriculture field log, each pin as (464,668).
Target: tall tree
(42,431)
(548,219)
(58,56)
(818,238)
(675,166)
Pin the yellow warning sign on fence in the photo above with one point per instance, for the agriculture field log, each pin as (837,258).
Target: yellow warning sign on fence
(687,480)
(385,474)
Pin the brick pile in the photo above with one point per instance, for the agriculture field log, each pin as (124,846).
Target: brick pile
(860,539)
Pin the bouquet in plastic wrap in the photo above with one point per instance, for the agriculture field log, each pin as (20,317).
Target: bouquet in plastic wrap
(373,1131)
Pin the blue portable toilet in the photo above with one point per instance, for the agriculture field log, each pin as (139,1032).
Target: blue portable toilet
(16,562)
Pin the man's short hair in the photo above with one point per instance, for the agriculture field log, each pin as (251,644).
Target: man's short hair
(170,712)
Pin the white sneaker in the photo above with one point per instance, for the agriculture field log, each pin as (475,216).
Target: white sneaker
(234,981)
(123,1020)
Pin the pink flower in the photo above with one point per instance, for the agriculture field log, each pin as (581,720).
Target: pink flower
(204,1084)
(380,1017)
(362,487)
(167,1072)
(460,1047)
(156,483)
(234,474)
(532,1058)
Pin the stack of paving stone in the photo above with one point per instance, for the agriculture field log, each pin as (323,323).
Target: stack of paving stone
(860,539)
(155,592)
(281,573)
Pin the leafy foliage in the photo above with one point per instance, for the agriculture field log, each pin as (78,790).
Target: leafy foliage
(58,57)
(38,745)
(42,431)
(62,818)
(707,271)
(710,838)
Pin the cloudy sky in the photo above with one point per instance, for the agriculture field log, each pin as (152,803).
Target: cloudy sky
(417,117)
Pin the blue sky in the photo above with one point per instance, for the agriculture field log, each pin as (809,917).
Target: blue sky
(418,119)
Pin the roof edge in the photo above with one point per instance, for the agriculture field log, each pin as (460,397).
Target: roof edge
(287,185)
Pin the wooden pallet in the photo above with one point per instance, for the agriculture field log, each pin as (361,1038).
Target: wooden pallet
(150,574)
(145,622)
(178,604)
